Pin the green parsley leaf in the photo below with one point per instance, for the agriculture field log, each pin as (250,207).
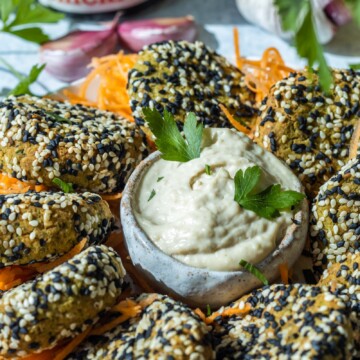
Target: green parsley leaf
(27,13)
(170,142)
(267,203)
(254,270)
(354,6)
(64,186)
(6,8)
(32,34)
(23,87)
(56,117)
(308,47)
(208,169)
(354,66)
(290,12)
(159,178)
(208,310)
(152,194)
(297,16)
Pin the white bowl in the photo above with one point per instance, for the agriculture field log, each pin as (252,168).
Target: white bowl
(196,286)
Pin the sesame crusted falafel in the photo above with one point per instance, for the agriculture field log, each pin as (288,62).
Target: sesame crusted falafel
(334,221)
(60,304)
(181,77)
(308,129)
(343,278)
(43,226)
(286,322)
(165,329)
(93,149)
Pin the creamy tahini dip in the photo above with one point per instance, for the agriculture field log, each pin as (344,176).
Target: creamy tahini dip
(193,217)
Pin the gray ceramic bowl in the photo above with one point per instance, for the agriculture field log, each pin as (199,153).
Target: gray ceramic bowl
(196,286)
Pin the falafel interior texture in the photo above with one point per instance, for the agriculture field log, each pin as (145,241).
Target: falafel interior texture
(165,329)
(308,129)
(61,303)
(181,77)
(42,139)
(286,322)
(42,226)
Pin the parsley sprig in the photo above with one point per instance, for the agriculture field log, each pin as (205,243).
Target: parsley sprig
(20,17)
(23,86)
(267,203)
(254,270)
(297,17)
(170,142)
(63,185)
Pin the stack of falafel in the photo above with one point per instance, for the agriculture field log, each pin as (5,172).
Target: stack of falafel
(96,151)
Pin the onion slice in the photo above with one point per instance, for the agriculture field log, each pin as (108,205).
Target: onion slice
(136,34)
(67,58)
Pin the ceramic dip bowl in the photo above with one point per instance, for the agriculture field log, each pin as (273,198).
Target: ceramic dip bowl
(198,286)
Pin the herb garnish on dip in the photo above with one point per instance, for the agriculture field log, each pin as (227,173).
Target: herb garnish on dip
(194,217)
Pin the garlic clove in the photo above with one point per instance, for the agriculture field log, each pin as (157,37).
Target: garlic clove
(67,58)
(139,33)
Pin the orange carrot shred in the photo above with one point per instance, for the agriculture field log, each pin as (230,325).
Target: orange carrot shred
(261,74)
(11,185)
(200,313)
(44,355)
(233,122)
(128,309)
(237,47)
(109,197)
(111,72)
(17,274)
(226,313)
(68,348)
(354,142)
(284,273)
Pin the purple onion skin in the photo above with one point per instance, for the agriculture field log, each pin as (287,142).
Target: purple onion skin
(67,58)
(134,35)
(337,12)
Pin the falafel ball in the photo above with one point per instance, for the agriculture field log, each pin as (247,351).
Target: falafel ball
(61,303)
(343,278)
(309,129)
(165,329)
(286,322)
(334,220)
(42,139)
(43,226)
(181,77)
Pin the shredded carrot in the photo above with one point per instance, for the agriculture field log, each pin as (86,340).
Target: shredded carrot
(333,286)
(11,185)
(226,313)
(111,196)
(237,47)
(232,121)
(284,273)
(68,348)
(200,313)
(128,309)
(15,275)
(44,355)
(354,142)
(261,74)
(112,73)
